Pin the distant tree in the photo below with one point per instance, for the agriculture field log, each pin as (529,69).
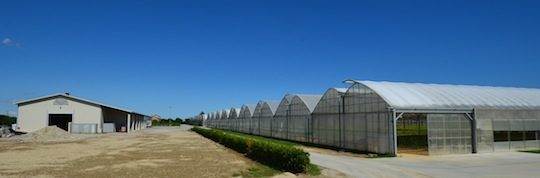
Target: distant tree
(7,120)
(202,113)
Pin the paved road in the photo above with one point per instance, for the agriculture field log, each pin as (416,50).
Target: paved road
(508,164)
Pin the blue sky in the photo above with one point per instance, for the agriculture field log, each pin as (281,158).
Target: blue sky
(180,58)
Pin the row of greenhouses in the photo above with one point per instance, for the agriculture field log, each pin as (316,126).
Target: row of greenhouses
(395,117)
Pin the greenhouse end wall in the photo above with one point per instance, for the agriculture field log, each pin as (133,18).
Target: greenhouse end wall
(367,121)
(507,129)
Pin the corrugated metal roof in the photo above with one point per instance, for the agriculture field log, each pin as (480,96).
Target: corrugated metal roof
(442,96)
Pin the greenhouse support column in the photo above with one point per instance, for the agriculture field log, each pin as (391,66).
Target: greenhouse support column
(271,126)
(473,131)
(128,123)
(287,122)
(340,120)
(394,122)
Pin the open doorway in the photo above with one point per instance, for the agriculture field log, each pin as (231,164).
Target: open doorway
(412,134)
(60,120)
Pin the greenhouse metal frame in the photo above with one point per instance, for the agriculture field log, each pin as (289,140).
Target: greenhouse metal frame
(375,117)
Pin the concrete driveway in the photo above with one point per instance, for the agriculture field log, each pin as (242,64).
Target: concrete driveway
(507,164)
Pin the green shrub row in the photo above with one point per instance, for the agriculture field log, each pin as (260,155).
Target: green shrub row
(282,157)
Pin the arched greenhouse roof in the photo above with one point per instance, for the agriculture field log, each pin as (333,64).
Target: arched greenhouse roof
(250,108)
(273,105)
(401,95)
(225,113)
(339,90)
(310,100)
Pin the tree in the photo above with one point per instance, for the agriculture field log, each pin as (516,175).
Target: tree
(7,120)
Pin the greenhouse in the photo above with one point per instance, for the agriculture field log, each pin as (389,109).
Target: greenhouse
(208,122)
(264,113)
(246,112)
(234,118)
(394,117)
(434,119)
(299,117)
(279,127)
(225,119)
(327,118)
(255,119)
(217,119)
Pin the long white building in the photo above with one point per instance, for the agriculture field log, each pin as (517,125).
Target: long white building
(76,115)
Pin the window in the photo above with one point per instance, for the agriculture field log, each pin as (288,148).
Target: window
(516,136)
(530,135)
(504,136)
(500,136)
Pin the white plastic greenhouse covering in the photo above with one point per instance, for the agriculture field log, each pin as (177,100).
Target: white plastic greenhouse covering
(246,112)
(299,117)
(460,118)
(279,127)
(439,96)
(263,115)
(255,119)
(225,114)
(327,118)
(234,118)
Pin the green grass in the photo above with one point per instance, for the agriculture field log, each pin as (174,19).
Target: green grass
(411,130)
(313,170)
(265,171)
(531,151)
(261,138)
(258,171)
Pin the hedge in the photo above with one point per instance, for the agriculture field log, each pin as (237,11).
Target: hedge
(282,157)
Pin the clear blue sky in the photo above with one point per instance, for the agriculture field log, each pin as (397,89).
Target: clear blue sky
(207,55)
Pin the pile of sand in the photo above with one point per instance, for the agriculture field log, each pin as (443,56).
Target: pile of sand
(48,134)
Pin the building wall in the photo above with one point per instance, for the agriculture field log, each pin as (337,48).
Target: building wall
(449,134)
(245,117)
(367,122)
(255,119)
(266,117)
(490,121)
(34,116)
(298,125)
(279,122)
(326,119)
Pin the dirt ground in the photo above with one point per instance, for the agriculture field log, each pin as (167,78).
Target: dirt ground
(156,152)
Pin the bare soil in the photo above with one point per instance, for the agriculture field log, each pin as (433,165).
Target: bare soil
(156,152)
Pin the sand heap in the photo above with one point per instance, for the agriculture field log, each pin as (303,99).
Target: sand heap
(48,134)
